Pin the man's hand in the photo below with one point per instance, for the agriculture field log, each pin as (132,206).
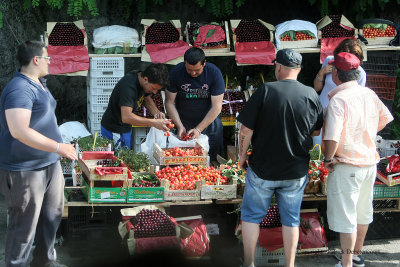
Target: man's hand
(67,151)
(329,165)
(242,161)
(159,115)
(180,132)
(161,124)
(195,134)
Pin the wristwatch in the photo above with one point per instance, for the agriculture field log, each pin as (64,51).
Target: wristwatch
(328,160)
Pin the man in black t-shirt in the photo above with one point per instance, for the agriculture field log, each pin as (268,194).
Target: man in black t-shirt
(279,119)
(129,93)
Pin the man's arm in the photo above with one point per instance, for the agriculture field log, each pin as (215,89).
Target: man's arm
(172,112)
(152,107)
(245,135)
(130,118)
(330,148)
(216,106)
(18,120)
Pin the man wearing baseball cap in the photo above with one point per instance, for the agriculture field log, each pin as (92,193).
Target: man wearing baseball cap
(353,117)
(279,120)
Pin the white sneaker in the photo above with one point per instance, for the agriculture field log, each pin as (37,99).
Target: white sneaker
(339,264)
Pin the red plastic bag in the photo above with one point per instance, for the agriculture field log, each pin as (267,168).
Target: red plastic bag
(214,32)
(328,45)
(67,59)
(196,244)
(161,53)
(271,238)
(313,237)
(153,243)
(262,53)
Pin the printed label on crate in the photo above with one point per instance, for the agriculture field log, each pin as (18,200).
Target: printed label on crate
(182,195)
(218,191)
(185,160)
(145,194)
(104,194)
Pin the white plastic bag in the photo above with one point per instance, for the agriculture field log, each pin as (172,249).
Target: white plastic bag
(72,130)
(157,136)
(295,25)
(115,35)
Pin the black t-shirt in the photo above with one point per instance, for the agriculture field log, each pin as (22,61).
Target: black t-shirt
(127,92)
(283,115)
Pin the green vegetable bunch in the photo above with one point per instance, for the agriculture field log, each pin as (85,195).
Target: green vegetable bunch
(136,162)
(86,143)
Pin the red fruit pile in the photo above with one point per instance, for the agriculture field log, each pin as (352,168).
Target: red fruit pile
(272,219)
(317,171)
(183,152)
(371,32)
(233,103)
(161,32)
(152,223)
(251,31)
(170,126)
(66,34)
(185,177)
(299,36)
(186,137)
(335,29)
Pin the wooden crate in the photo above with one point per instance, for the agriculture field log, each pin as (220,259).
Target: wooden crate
(162,160)
(88,164)
(219,191)
(180,195)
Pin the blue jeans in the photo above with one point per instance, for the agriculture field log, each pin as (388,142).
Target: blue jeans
(258,193)
(119,140)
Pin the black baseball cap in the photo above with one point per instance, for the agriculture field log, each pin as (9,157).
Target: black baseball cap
(289,58)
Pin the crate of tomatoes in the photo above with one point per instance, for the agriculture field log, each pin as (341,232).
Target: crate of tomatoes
(377,31)
(180,155)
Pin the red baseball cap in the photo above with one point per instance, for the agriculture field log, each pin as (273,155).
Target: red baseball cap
(345,61)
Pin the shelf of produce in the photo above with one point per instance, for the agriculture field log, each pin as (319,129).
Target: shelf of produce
(305,50)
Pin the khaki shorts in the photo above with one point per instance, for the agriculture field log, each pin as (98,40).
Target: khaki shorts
(350,195)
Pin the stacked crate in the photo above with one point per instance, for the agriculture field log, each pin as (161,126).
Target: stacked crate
(105,72)
(381,68)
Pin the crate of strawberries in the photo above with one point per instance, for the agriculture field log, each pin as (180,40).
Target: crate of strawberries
(180,155)
(377,31)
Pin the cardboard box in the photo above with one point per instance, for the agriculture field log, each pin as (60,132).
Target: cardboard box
(144,194)
(163,160)
(102,191)
(213,49)
(390,180)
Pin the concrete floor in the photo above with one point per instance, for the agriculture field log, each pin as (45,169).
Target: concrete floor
(99,244)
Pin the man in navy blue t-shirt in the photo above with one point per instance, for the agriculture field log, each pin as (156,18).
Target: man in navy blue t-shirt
(31,178)
(194,99)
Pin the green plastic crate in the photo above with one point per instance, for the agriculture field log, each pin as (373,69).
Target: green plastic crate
(384,191)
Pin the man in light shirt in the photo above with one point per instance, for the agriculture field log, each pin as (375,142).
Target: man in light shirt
(353,117)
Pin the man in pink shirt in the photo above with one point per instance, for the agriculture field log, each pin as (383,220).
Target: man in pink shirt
(353,117)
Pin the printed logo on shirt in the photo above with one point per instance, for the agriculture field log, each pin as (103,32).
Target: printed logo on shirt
(195,93)
(140,101)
